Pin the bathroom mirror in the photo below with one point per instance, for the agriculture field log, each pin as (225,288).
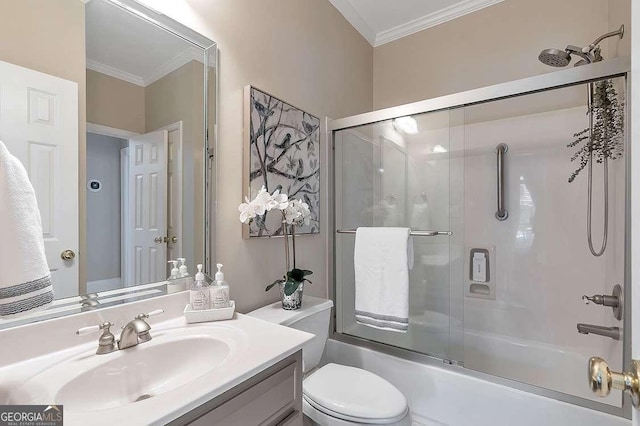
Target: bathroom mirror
(121,157)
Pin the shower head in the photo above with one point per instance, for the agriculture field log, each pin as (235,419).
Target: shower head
(589,54)
(554,57)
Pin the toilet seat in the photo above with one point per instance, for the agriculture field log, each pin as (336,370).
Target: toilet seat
(354,395)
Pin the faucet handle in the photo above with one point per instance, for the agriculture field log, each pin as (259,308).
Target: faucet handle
(614,300)
(150,314)
(93,328)
(106,342)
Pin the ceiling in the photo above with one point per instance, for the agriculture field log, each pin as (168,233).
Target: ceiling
(124,46)
(382,21)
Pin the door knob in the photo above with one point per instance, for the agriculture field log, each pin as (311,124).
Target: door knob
(174,240)
(68,255)
(158,240)
(602,379)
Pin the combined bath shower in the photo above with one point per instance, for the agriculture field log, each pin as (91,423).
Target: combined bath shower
(588,55)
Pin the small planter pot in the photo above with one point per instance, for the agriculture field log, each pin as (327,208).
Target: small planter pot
(294,300)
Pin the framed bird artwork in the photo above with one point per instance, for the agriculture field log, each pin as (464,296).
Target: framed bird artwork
(281,152)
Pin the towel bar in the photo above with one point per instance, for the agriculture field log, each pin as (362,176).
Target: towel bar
(414,233)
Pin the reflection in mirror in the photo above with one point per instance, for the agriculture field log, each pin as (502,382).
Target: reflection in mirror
(150,98)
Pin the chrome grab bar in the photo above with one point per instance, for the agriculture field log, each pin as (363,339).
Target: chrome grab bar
(501,213)
(414,233)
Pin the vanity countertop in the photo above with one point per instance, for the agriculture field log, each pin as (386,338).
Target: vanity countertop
(244,346)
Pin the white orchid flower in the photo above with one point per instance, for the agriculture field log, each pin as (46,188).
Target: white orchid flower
(278,201)
(247,211)
(291,214)
(261,202)
(296,212)
(305,213)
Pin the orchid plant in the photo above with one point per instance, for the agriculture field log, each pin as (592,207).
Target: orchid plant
(294,213)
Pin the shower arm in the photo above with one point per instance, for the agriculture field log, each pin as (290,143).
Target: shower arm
(618,32)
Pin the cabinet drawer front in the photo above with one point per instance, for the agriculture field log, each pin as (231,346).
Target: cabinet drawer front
(266,402)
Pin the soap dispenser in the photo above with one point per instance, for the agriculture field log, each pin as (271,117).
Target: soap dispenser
(219,290)
(183,267)
(174,282)
(175,272)
(184,273)
(199,292)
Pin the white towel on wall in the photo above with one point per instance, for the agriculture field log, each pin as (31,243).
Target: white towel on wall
(25,281)
(382,258)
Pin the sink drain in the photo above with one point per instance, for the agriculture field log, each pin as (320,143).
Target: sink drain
(143,397)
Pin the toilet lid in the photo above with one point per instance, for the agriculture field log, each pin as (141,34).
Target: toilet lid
(354,394)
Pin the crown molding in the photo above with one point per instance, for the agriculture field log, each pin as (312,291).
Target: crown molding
(183,58)
(354,18)
(431,20)
(115,72)
(191,54)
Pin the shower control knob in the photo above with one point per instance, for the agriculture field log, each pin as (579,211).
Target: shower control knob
(614,300)
(602,379)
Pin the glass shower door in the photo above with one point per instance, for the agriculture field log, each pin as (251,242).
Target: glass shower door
(398,173)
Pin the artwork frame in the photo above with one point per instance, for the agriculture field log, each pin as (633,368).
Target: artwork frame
(281,150)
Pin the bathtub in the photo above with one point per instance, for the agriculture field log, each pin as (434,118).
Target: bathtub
(548,366)
(443,396)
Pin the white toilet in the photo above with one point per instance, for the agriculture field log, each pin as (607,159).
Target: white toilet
(337,394)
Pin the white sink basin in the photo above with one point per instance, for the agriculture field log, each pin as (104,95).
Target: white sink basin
(173,358)
(183,367)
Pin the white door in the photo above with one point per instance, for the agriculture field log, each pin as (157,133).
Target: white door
(174,193)
(147,254)
(39,125)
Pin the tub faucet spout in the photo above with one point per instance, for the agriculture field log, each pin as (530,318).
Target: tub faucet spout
(611,332)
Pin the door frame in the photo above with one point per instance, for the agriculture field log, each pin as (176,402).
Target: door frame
(103,130)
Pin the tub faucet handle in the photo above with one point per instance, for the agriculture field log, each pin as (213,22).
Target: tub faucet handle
(614,300)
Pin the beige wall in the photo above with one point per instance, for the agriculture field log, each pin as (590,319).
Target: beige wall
(178,96)
(496,44)
(303,51)
(48,36)
(115,103)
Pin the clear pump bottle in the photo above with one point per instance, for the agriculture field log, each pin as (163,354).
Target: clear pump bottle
(219,290)
(184,273)
(199,293)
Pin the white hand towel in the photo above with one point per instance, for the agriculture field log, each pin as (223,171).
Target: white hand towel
(381,261)
(25,281)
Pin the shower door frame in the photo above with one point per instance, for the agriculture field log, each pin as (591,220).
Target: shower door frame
(617,67)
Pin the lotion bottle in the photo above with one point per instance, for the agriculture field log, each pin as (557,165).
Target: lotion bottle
(199,292)
(219,290)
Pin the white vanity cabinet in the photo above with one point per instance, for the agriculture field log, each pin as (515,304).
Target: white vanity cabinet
(271,397)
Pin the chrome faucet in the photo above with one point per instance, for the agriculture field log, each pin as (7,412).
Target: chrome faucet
(136,331)
(612,332)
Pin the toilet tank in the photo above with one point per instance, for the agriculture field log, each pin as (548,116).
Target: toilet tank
(313,318)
